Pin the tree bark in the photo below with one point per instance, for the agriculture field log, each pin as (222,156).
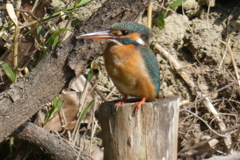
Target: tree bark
(47,141)
(29,94)
(150,135)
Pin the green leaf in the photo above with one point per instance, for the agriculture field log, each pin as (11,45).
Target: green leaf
(81,117)
(11,144)
(82,2)
(52,41)
(58,32)
(41,31)
(176,3)
(160,19)
(9,72)
(90,75)
(57,105)
(84,112)
(78,3)
(55,42)
(91,72)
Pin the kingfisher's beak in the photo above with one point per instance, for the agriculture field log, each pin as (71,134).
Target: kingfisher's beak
(97,35)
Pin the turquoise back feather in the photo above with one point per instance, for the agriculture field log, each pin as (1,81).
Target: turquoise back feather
(152,66)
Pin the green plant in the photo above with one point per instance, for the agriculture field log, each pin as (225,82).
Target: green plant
(45,36)
(50,38)
(164,11)
(84,112)
(92,71)
(56,106)
(9,72)
(53,41)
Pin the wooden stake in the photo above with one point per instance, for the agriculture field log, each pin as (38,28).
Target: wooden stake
(151,134)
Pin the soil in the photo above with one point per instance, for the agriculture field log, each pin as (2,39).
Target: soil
(205,41)
(207,46)
(196,44)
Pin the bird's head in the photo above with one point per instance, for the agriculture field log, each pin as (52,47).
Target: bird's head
(126,32)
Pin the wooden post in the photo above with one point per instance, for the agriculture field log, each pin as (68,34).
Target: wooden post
(149,135)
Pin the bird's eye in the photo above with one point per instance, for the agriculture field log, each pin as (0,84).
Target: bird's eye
(124,33)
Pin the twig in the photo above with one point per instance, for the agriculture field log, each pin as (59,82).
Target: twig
(176,65)
(185,77)
(192,85)
(98,91)
(184,102)
(33,16)
(15,49)
(210,128)
(111,92)
(93,129)
(233,60)
(210,4)
(149,15)
(100,94)
(18,6)
(208,95)
(14,18)
(231,147)
(65,123)
(81,104)
(198,144)
(218,120)
(223,57)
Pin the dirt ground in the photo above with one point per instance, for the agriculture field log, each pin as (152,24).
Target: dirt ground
(202,65)
(205,43)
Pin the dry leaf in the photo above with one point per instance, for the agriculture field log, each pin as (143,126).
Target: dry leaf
(68,113)
(97,154)
(66,34)
(78,84)
(11,13)
(70,125)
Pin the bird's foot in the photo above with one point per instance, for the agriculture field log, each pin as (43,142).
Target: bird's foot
(124,100)
(138,105)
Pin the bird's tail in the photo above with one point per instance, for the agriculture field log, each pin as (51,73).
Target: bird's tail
(160,95)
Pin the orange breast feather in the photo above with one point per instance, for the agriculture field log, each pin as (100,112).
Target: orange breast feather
(128,71)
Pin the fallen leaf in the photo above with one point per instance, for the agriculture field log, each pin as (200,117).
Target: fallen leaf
(67,115)
(11,13)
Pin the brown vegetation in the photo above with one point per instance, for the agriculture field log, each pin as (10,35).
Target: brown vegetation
(198,54)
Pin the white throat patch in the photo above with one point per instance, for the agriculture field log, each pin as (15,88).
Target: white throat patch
(140,41)
(115,41)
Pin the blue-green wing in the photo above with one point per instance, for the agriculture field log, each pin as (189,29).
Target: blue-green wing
(152,66)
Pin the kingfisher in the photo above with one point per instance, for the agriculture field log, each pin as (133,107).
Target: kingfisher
(129,62)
